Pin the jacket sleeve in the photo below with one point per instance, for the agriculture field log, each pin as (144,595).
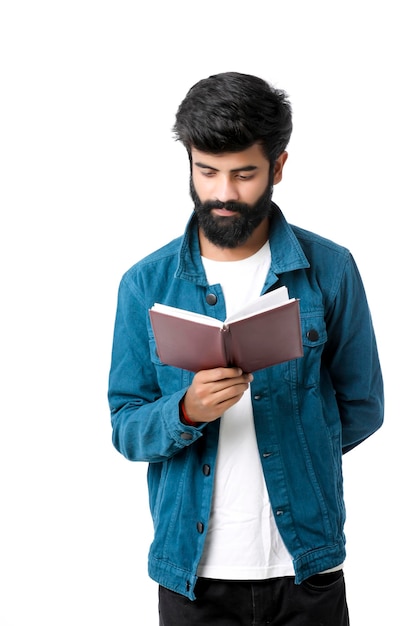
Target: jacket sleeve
(352,359)
(145,421)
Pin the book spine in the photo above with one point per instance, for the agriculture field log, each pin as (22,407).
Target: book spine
(227,346)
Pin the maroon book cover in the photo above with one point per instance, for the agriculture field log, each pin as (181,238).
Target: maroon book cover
(260,340)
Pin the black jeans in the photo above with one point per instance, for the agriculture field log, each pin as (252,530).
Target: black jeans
(318,601)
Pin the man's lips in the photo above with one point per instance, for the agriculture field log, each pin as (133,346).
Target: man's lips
(223,212)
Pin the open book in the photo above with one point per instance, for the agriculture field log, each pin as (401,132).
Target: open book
(265,332)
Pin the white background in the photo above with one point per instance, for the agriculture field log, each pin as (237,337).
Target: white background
(92,180)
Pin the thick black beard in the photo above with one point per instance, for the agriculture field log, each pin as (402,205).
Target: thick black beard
(233,231)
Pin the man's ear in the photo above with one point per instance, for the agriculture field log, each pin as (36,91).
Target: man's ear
(279,166)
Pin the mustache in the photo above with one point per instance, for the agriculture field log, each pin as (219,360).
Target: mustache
(237,207)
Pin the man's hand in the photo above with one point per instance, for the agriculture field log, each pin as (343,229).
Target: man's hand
(214,391)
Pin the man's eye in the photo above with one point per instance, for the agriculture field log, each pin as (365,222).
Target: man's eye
(245,177)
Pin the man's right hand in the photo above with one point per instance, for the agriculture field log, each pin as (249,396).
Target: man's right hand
(214,391)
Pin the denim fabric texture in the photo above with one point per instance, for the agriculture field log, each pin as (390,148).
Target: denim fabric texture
(307,412)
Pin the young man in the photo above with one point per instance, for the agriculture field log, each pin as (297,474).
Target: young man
(245,469)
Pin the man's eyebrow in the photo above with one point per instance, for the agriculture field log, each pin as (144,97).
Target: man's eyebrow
(244,168)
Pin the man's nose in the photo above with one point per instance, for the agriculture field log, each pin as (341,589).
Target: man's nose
(226,190)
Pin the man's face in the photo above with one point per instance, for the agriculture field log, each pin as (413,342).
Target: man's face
(232,193)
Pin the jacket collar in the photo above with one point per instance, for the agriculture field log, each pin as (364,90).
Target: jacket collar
(286,251)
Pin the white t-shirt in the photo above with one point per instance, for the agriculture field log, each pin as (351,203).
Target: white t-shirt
(243,542)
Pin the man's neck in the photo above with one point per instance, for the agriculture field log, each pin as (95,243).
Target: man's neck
(255,242)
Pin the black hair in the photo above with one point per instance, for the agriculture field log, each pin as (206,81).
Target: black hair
(230,112)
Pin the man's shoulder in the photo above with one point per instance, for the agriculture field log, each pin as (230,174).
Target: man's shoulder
(312,241)
(167,253)
(305,242)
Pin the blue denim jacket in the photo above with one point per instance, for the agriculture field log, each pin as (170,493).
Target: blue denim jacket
(307,412)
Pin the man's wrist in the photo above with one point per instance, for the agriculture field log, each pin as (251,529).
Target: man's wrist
(184,417)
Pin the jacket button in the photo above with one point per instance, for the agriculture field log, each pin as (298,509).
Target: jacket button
(200,527)
(186,436)
(211,299)
(312,334)
(206,469)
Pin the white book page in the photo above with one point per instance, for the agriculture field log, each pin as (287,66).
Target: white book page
(263,303)
(186,315)
(258,305)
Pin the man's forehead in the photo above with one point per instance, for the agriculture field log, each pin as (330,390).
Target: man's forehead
(249,159)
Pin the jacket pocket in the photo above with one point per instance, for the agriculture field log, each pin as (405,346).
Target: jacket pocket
(306,370)
(153,352)
(170,379)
